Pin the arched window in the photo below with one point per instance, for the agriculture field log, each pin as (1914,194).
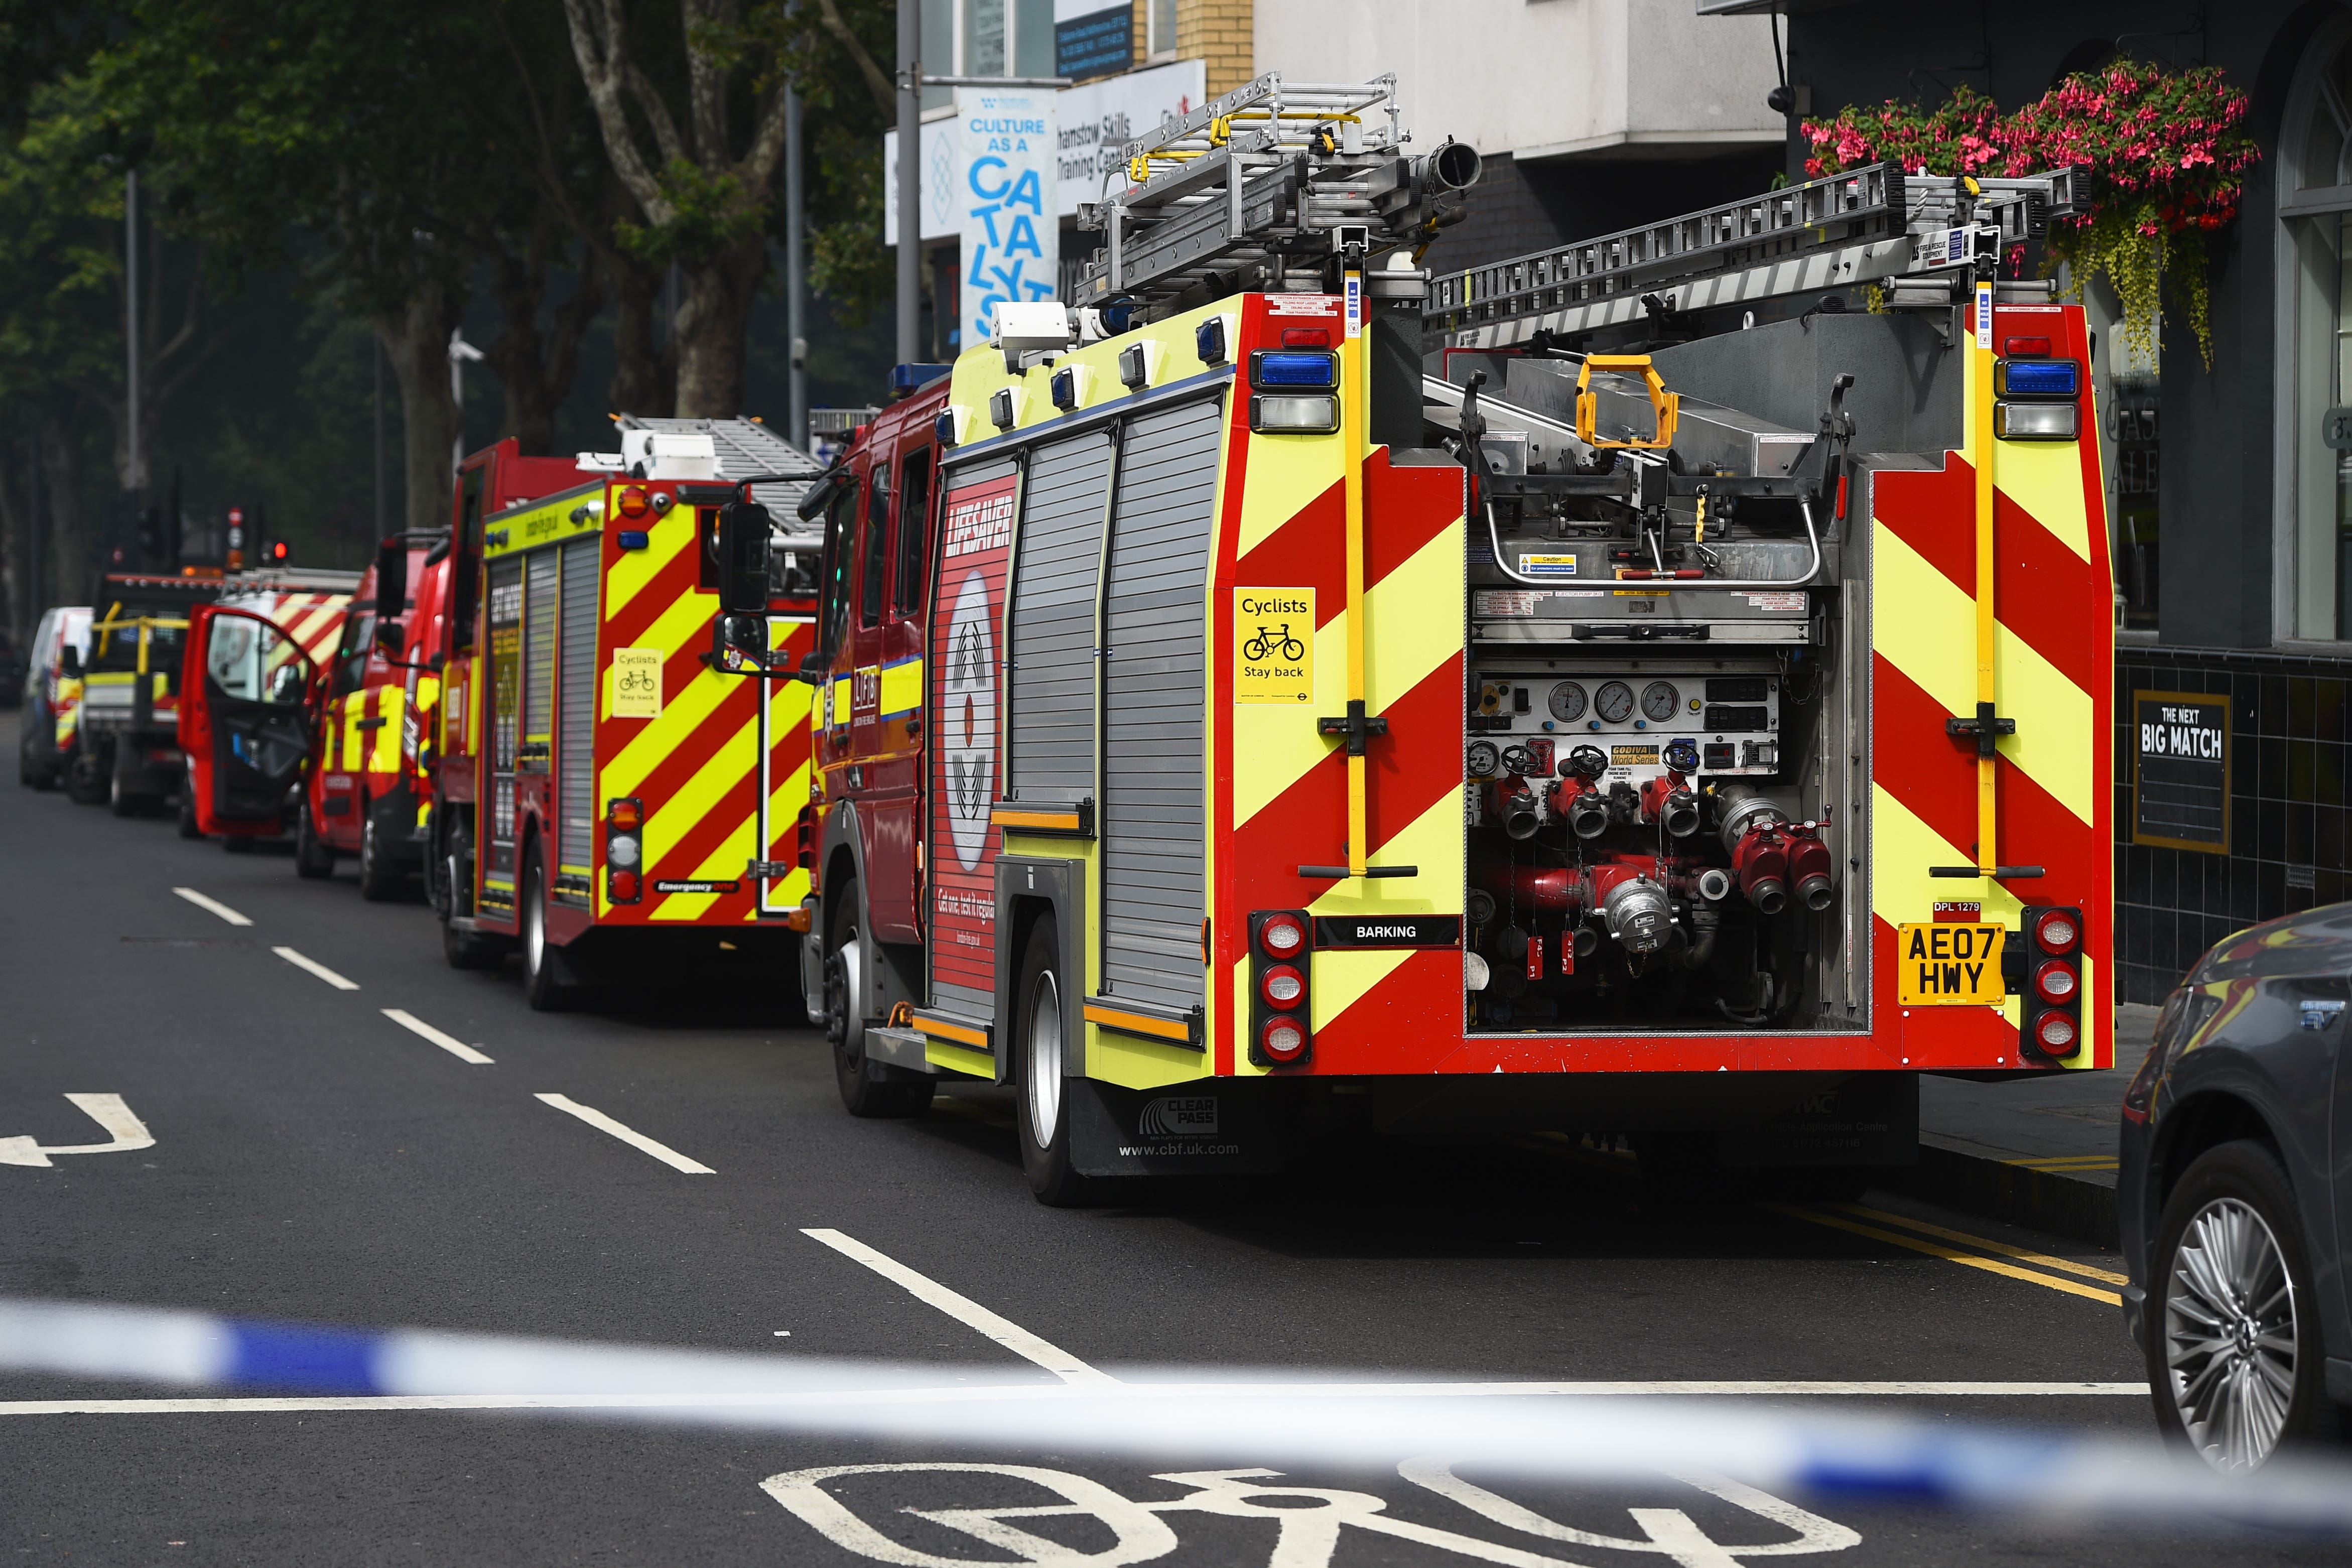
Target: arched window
(2312,555)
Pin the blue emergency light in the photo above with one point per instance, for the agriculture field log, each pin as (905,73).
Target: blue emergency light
(1294,368)
(2039,378)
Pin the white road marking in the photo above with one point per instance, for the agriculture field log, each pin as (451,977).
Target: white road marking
(963,1309)
(629,1135)
(423,1030)
(215,905)
(270,1405)
(124,1132)
(315,967)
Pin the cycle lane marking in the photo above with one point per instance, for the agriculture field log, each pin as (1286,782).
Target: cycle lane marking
(963,1309)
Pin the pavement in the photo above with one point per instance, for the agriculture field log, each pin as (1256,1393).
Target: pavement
(2039,1151)
(316,1157)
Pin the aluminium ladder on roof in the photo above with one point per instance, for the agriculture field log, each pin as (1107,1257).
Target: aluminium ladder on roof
(1227,187)
(1913,233)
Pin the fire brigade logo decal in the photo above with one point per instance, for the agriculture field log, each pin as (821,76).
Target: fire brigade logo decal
(970,711)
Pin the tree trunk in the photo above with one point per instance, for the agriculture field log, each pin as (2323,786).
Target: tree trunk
(68,553)
(714,304)
(645,379)
(536,372)
(416,342)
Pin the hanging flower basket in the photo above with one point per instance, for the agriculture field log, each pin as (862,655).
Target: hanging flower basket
(2160,160)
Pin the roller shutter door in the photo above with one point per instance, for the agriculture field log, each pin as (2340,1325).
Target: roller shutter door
(1153,814)
(1050,739)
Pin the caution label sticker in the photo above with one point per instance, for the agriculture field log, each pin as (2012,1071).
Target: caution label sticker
(636,683)
(1546,565)
(1274,645)
(1949,963)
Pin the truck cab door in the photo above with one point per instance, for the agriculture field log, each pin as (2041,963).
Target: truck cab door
(250,730)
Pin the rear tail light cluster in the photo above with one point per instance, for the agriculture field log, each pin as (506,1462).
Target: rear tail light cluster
(1296,391)
(624,850)
(1282,1027)
(2039,398)
(2054,991)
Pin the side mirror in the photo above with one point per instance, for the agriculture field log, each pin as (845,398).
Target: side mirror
(813,668)
(388,635)
(739,642)
(69,662)
(743,528)
(391,581)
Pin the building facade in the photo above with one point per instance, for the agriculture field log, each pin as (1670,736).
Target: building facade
(2229,489)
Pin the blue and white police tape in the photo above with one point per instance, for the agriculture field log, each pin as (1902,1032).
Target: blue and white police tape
(1510,1427)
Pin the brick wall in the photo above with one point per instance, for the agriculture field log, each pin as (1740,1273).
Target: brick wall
(1220,32)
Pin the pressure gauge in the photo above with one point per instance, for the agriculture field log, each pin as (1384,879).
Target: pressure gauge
(1659,701)
(1482,759)
(1566,700)
(1614,701)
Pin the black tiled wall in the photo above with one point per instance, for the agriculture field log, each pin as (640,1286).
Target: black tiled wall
(2288,814)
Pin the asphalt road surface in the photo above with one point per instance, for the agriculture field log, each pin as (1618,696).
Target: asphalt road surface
(315,1158)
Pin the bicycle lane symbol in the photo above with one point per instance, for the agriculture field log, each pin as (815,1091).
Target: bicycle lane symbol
(1309,1521)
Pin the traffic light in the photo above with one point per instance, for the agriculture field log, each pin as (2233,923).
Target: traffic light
(277,553)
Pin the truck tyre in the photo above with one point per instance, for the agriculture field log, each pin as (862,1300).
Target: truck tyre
(541,985)
(85,784)
(187,825)
(121,801)
(2235,1364)
(379,882)
(470,948)
(868,1087)
(1043,1016)
(314,860)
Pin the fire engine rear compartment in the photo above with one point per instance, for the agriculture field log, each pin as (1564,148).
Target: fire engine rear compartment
(1667,788)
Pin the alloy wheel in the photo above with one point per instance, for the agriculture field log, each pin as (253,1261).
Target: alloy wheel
(1044,1090)
(2231,1336)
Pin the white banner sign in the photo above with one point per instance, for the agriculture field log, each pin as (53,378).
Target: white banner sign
(1093,121)
(1007,226)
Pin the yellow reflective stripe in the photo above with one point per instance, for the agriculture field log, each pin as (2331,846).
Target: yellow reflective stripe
(1286,473)
(1921,624)
(352,733)
(1902,847)
(635,568)
(724,864)
(661,736)
(2045,478)
(389,702)
(668,822)
(902,686)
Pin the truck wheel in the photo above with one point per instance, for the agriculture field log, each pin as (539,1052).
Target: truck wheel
(85,786)
(379,882)
(1043,1016)
(119,801)
(868,1088)
(187,826)
(540,986)
(2235,1358)
(470,948)
(313,860)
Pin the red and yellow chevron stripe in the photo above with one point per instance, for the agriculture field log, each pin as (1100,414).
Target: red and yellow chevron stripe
(2055,642)
(697,767)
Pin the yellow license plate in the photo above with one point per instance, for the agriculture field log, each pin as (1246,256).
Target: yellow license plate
(1950,963)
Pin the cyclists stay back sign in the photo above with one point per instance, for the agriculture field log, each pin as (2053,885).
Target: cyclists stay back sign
(636,690)
(1274,645)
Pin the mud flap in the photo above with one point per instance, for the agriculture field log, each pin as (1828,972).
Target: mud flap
(1871,1118)
(1210,1128)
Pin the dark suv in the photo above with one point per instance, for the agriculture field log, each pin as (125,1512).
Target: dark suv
(2234,1196)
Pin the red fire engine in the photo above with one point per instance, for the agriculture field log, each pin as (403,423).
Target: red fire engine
(1284,677)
